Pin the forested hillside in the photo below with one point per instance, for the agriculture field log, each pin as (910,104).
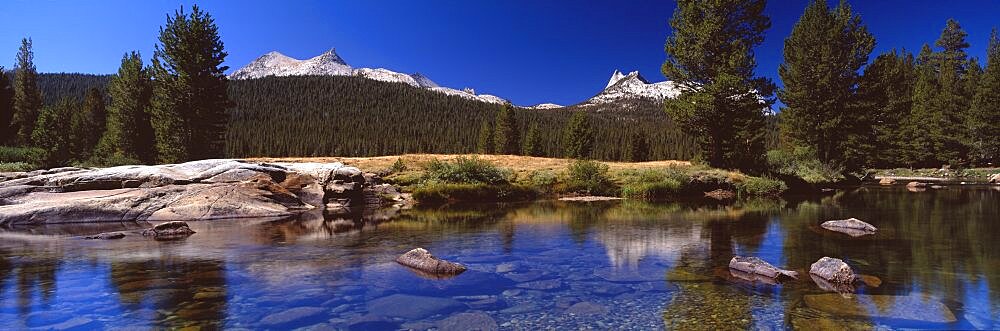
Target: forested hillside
(351,116)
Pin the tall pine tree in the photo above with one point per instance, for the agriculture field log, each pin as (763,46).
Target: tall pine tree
(189,96)
(6,107)
(952,99)
(920,128)
(886,89)
(506,136)
(484,143)
(710,57)
(578,136)
(822,57)
(128,135)
(87,125)
(637,148)
(532,145)
(52,132)
(984,117)
(27,96)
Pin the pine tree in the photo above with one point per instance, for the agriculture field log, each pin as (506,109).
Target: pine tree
(27,97)
(506,134)
(886,89)
(128,134)
(87,125)
(52,132)
(578,136)
(984,117)
(822,57)
(637,149)
(710,57)
(189,96)
(532,141)
(6,107)
(484,143)
(921,126)
(950,104)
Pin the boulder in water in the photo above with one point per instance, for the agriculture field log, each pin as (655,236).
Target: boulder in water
(754,265)
(995,178)
(851,226)
(169,231)
(886,181)
(833,271)
(422,260)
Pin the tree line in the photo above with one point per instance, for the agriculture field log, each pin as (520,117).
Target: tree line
(172,110)
(937,108)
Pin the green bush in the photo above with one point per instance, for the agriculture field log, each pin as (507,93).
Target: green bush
(544,181)
(16,166)
(802,162)
(397,166)
(656,190)
(112,160)
(465,170)
(441,193)
(21,154)
(590,177)
(760,186)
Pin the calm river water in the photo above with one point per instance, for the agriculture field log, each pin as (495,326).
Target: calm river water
(545,265)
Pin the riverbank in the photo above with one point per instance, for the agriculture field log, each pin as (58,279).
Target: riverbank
(441,178)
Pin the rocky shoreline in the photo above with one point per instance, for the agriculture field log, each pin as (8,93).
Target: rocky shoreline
(197,190)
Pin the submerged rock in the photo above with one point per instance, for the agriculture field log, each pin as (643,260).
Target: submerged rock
(833,271)
(851,226)
(106,236)
(909,307)
(169,231)
(468,321)
(421,259)
(756,266)
(916,186)
(411,306)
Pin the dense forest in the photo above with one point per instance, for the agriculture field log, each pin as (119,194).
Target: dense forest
(353,116)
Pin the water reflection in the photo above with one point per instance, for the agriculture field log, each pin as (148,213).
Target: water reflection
(539,265)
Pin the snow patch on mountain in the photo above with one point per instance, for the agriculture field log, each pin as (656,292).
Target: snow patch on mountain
(631,86)
(544,106)
(331,64)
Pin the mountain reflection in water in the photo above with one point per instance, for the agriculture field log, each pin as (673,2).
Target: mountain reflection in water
(538,265)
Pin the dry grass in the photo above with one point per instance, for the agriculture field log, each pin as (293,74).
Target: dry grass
(519,164)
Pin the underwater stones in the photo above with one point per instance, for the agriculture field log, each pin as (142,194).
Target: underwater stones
(832,270)
(291,316)
(468,321)
(106,236)
(587,308)
(412,306)
(908,307)
(542,285)
(174,230)
(754,265)
(851,226)
(421,259)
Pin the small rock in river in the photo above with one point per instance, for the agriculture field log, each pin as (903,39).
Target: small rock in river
(106,236)
(833,270)
(587,308)
(169,231)
(421,259)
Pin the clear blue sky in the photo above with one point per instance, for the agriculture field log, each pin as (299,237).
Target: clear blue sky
(527,51)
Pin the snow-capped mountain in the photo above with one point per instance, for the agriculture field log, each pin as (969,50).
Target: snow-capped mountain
(633,85)
(331,64)
(544,106)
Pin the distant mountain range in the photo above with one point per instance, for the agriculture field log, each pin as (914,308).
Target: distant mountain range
(620,86)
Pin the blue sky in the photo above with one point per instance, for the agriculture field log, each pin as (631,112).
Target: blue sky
(526,51)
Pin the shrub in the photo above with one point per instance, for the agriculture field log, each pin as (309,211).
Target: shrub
(21,154)
(590,177)
(464,170)
(544,181)
(116,159)
(397,166)
(760,186)
(441,193)
(16,166)
(802,162)
(655,190)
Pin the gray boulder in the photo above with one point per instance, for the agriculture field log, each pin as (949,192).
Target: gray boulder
(169,231)
(833,271)
(851,226)
(754,265)
(994,178)
(422,260)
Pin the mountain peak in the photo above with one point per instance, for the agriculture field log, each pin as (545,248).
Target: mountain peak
(330,56)
(615,77)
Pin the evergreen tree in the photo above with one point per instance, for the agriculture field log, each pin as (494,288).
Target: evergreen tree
(128,134)
(189,96)
(27,96)
(822,57)
(886,89)
(6,107)
(578,137)
(506,135)
(52,132)
(984,117)
(637,149)
(921,127)
(952,99)
(484,143)
(532,141)
(710,57)
(87,125)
